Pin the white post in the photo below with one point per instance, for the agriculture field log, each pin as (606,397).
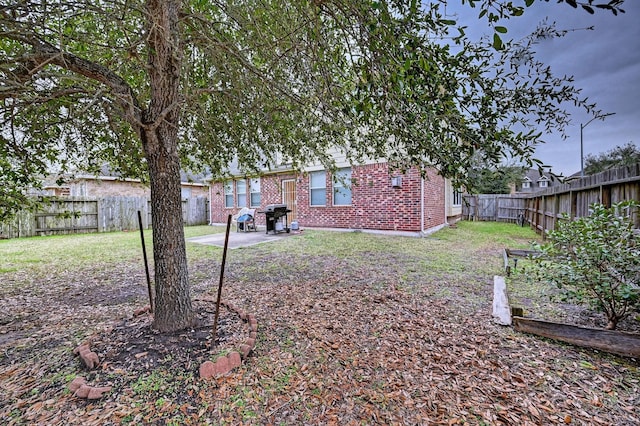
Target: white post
(501,309)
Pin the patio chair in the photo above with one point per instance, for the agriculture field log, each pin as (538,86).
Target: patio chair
(245,220)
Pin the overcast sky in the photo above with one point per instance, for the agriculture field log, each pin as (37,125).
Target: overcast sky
(606,65)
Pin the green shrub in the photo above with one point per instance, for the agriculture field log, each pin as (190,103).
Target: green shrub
(596,260)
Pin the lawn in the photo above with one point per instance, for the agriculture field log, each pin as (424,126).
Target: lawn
(353,328)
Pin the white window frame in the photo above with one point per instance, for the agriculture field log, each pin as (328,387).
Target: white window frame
(321,178)
(185,192)
(456,199)
(228,194)
(342,184)
(254,192)
(241,193)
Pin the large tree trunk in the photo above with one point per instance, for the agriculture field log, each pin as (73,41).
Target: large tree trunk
(173,309)
(159,134)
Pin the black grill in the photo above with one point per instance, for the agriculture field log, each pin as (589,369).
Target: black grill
(276,215)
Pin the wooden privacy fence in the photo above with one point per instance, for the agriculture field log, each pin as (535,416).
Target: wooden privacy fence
(72,215)
(493,207)
(195,211)
(542,209)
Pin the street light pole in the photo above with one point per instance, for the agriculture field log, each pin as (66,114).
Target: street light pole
(582,126)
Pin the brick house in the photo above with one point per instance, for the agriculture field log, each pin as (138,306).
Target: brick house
(369,197)
(108,185)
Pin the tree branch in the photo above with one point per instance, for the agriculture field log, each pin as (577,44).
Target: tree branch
(44,53)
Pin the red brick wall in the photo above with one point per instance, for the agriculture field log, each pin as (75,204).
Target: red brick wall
(105,188)
(270,193)
(434,200)
(216,207)
(375,203)
(119,188)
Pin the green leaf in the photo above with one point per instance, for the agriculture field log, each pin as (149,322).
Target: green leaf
(497,42)
(588,9)
(587,365)
(501,30)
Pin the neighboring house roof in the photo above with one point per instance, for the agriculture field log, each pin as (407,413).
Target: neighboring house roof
(536,180)
(575,176)
(106,174)
(535,175)
(192,178)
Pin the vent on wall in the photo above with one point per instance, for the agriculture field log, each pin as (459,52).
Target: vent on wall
(396,182)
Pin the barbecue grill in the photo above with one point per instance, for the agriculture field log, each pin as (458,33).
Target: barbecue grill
(275,213)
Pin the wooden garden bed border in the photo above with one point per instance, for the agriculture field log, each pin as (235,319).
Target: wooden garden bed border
(611,341)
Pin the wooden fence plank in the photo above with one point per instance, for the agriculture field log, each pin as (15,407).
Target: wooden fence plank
(543,209)
(86,214)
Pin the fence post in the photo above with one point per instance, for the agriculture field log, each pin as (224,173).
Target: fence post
(544,216)
(475,207)
(556,210)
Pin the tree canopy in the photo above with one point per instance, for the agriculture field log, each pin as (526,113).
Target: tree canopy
(622,155)
(496,180)
(152,86)
(374,78)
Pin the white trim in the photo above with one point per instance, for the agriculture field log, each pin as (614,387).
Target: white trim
(335,181)
(311,188)
(447,206)
(422,204)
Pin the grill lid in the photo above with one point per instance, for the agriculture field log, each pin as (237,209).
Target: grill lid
(270,208)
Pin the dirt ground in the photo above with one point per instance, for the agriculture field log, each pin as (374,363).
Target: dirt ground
(377,339)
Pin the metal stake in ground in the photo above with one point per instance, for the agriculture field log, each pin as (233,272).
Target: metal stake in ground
(146,263)
(224,260)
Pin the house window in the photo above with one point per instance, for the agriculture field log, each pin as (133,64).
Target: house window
(186,193)
(342,187)
(543,183)
(457,198)
(241,192)
(318,188)
(228,194)
(526,184)
(63,191)
(254,192)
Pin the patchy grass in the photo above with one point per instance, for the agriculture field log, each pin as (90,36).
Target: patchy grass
(86,250)
(71,252)
(82,251)
(354,328)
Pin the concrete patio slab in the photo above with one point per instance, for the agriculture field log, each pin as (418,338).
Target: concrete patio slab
(240,239)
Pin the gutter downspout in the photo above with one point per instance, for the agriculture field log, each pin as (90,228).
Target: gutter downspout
(422,205)
(446,204)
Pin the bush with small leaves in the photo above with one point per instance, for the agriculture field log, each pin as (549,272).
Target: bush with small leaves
(595,260)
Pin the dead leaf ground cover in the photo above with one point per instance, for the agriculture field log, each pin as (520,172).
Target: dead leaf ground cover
(354,328)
